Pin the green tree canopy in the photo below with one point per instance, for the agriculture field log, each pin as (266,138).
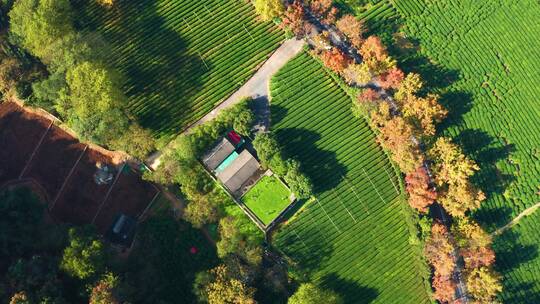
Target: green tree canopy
(309,293)
(94,102)
(21,216)
(85,256)
(38,24)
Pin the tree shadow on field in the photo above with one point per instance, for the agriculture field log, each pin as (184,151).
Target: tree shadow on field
(486,151)
(311,248)
(277,114)
(511,253)
(321,166)
(350,291)
(161,78)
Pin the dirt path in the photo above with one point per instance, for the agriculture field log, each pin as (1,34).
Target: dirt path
(516,220)
(257,87)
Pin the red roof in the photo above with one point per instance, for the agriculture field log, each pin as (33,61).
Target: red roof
(234,138)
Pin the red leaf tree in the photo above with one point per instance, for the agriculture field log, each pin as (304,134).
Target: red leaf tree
(421,195)
(294,18)
(368,95)
(391,79)
(335,60)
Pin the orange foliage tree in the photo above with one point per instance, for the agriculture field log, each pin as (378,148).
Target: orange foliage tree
(335,60)
(421,194)
(439,251)
(368,95)
(396,136)
(445,288)
(294,18)
(352,28)
(391,79)
(478,257)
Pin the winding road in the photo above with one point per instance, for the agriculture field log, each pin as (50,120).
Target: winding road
(257,87)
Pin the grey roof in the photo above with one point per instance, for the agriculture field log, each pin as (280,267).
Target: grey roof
(220,152)
(239,171)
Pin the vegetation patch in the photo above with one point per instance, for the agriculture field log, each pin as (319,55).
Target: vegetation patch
(180,58)
(267,198)
(354,236)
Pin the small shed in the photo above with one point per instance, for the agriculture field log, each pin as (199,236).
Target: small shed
(122,231)
(218,154)
(239,171)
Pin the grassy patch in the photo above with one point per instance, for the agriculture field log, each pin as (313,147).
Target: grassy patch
(267,198)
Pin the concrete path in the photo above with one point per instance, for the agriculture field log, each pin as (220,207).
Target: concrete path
(257,87)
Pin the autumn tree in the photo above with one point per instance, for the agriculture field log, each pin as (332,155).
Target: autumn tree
(20,298)
(391,79)
(352,28)
(483,284)
(452,171)
(478,257)
(294,18)
(106,3)
(421,194)
(324,10)
(423,112)
(396,136)
(469,234)
(309,293)
(269,9)
(321,42)
(335,60)
(103,292)
(368,95)
(373,49)
(375,55)
(357,74)
(409,86)
(439,251)
(444,288)
(224,288)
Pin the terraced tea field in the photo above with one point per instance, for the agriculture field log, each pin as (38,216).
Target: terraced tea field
(354,237)
(484,57)
(180,58)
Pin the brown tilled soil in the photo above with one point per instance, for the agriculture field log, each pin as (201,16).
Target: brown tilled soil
(20,133)
(64,168)
(54,160)
(129,196)
(81,196)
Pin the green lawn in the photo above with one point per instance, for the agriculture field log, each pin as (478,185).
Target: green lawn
(267,198)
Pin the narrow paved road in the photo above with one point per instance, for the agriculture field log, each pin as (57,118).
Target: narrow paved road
(257,87)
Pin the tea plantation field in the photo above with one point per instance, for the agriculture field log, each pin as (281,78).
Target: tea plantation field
(180,58)
(484,57)
(354,237)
